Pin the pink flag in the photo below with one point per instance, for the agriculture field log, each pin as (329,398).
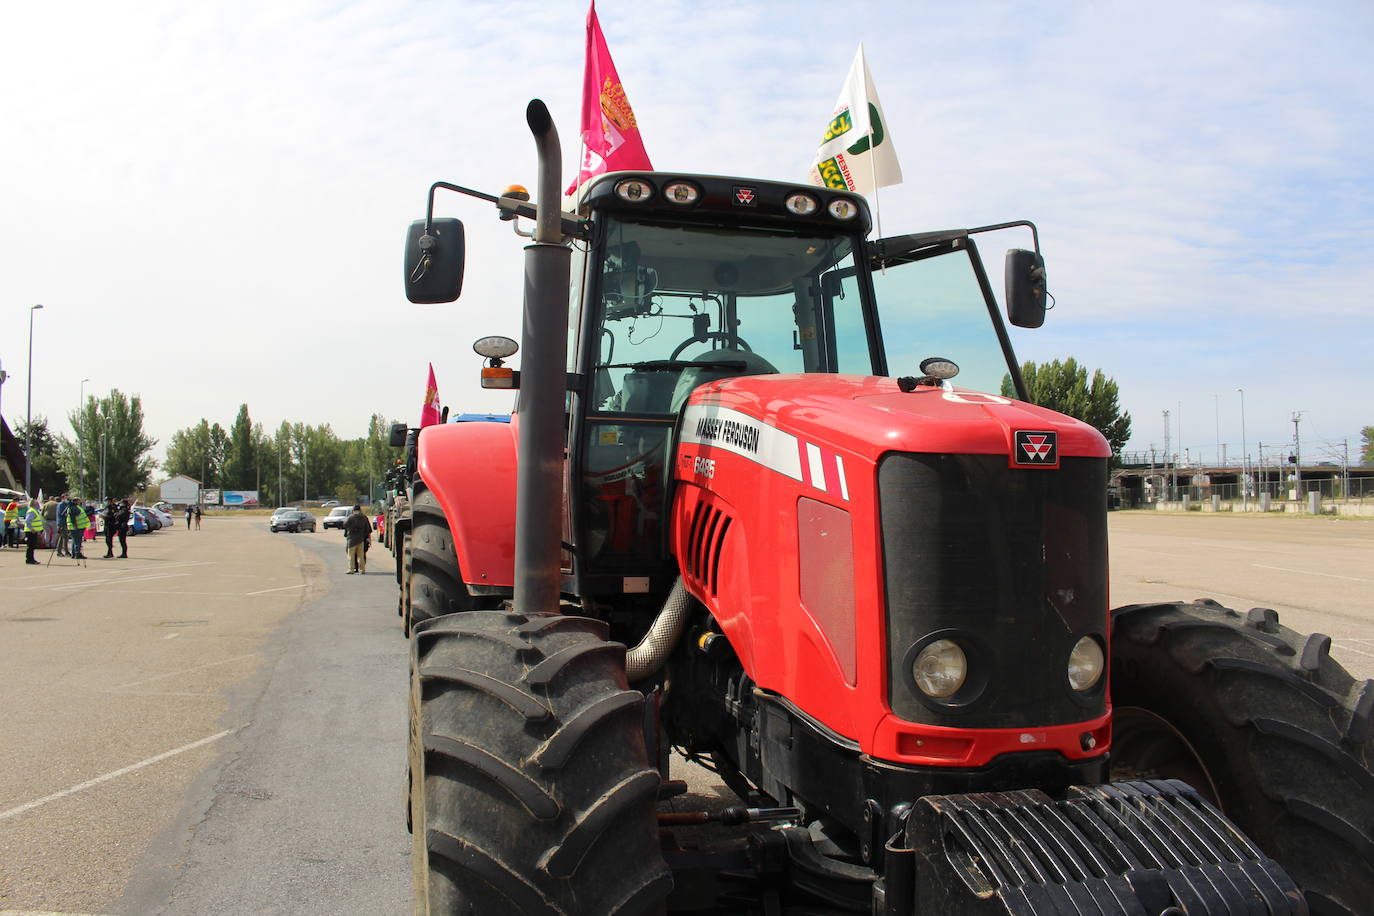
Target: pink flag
(429,414)
(609,131)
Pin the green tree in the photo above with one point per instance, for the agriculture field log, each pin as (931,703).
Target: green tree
(188,452)
(1367,446)
(1065,387)
(45,472)
(241,468)
(110,439)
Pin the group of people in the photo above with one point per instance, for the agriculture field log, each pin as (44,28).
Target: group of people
(71,522)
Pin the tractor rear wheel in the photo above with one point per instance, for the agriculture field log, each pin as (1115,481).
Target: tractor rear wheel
(1264,722)
(403,579)
(436,582)
(531,790)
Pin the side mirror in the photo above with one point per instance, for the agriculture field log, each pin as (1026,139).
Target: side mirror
(398,435)
(434,261)
(1025,288)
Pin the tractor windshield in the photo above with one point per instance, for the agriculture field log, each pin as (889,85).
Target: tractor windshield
(681,305)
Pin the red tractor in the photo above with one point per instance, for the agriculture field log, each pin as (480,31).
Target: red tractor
(757,448)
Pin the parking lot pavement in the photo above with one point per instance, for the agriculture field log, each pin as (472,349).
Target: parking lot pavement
(123,680)
(1317,572)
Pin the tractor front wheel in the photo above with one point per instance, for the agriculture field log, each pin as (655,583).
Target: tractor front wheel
(436,582)
(530,789)
(1262,721)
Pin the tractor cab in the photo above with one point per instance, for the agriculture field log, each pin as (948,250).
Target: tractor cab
(689,280)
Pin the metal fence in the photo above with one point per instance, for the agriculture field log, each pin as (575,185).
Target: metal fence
(1331,489)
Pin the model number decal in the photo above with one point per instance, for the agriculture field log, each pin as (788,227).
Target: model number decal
(706,467)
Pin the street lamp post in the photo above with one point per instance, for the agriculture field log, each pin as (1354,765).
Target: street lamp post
(28,410)
(81,440)
(1244,457)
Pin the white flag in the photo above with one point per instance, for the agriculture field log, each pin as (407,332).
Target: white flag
(856,153)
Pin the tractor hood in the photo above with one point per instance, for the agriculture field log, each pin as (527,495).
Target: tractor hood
(868,416)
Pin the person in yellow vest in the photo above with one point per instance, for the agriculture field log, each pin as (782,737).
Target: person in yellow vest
(33,527)
(12,527)
(77,523)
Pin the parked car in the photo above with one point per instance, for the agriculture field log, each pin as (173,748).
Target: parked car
(295,520)
(278,514)
(164,518)
(336,517)
(329,503)
(138,522)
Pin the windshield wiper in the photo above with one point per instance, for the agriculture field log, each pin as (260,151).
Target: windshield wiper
(672,365)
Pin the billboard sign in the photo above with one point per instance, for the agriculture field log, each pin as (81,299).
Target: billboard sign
(209,497)
(240,497)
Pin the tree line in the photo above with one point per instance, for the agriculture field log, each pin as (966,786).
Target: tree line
(295,462)
(109,453)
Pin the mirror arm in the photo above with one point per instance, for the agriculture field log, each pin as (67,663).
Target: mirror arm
(1035,233)
(572,226)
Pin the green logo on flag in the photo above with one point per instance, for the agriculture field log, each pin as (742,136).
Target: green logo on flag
(877,122)
(840,124)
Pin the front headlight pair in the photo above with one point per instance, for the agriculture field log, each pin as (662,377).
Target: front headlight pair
(941,668)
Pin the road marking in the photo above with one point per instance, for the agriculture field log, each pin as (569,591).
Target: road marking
(171,636)
(1311,573)
(76,585)
(1344,648)
(159,677)
(282,589)
(43,913)
(113,775)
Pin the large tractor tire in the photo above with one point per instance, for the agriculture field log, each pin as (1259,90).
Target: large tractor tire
(530,790)
(403,570)
(1264,722)
(436,582)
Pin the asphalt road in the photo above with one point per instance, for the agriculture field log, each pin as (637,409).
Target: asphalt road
(217,724)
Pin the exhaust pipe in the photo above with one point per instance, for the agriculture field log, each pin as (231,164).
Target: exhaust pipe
(647,657)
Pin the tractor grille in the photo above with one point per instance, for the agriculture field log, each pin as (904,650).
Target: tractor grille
(706,541)
(1010,563)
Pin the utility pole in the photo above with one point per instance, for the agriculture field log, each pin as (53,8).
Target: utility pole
(1297,456)
(81,439)
(1167,454)
(1216,407)
(28,411)
(1244,455)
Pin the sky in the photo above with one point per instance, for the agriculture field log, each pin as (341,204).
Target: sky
(210,199)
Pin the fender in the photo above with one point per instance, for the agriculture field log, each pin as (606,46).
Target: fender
(470,469)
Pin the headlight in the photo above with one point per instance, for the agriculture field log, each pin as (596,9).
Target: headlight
(802,204)
(680,192)
(635,190)
(843,208)
(940,669)
(1085,664)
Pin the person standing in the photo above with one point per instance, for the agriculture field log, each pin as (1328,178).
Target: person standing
(77,523)
(116,525)
(60,517)
(197,518)
(190,511)
(12,524)
(357,535)
(33,528)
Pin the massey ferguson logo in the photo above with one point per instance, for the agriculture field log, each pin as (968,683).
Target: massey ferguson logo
(1040,449)
(744,197)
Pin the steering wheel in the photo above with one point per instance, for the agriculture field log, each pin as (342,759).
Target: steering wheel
(729,342)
